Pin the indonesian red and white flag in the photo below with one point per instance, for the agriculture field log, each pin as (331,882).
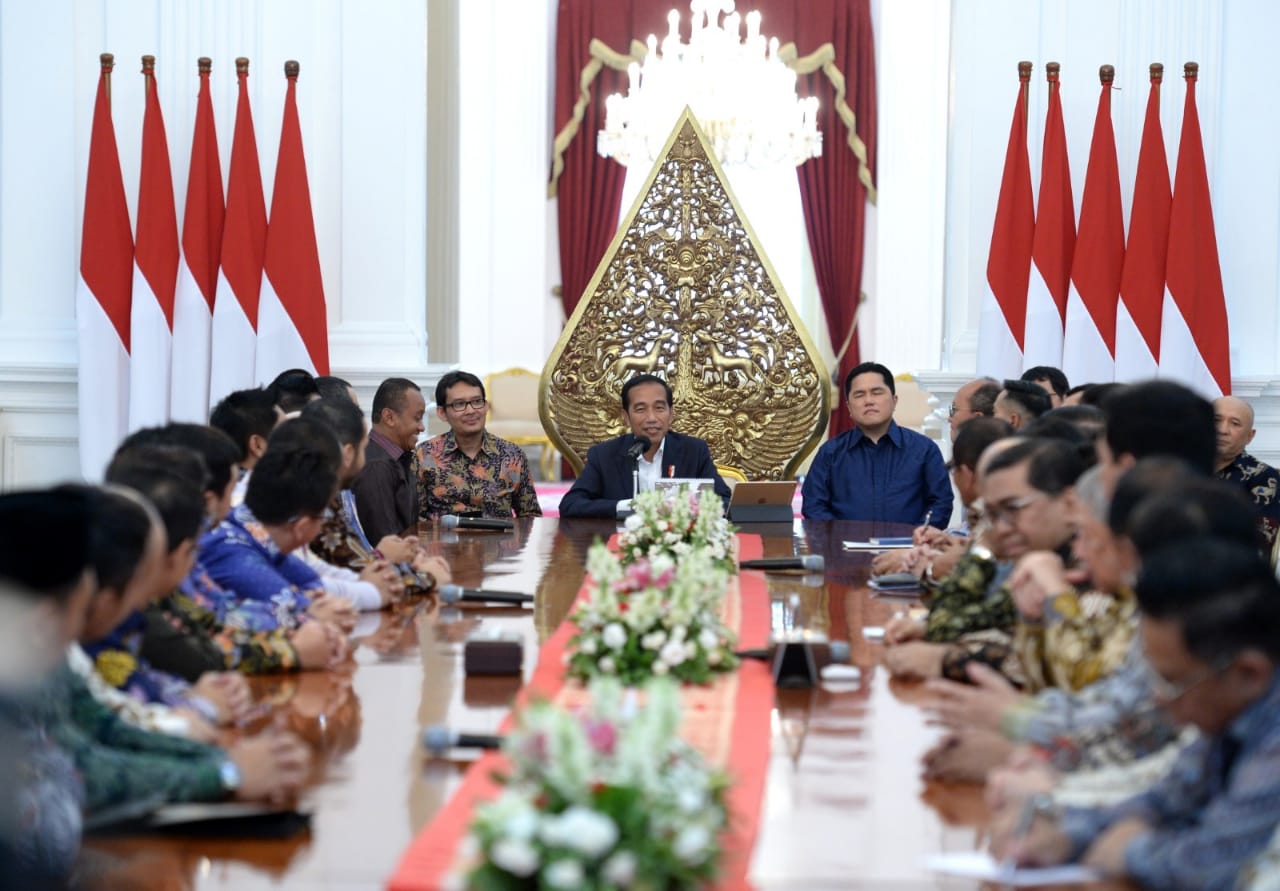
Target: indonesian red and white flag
(1054,243)
(198,273)
(1195,343)
(103,293)
(1004,307)
(244,242)
(1142,281)
(292,329)
(1089,345)
(155,269)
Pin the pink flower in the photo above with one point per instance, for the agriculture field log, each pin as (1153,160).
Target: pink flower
(602,735)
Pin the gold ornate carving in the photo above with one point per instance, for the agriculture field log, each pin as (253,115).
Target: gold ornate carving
(685,292)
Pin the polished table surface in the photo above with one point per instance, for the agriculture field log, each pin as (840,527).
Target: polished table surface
(845,805)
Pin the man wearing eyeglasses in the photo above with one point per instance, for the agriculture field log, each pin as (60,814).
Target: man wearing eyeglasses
(976,399)
(469,470)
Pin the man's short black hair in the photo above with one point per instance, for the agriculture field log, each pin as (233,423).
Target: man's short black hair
(1193,507)
(452,379)
(973,438)
(1051,425)
(983,400)
(391,394)
(46,540)
(340,415)
(639,379)
(1057,380)
(863,368)
(220,454)
(1221,594)
(1149,477)
(1030,398)
(329,386)
(121,525)
(297,475)
(1161,417)
(1096,394)
(1052,465)
(293,389)
(243,415)
(170,477)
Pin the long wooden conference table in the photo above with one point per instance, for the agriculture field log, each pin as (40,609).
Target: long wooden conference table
(844,803)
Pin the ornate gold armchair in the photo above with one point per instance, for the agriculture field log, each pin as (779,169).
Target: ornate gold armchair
(513,413)
(686,293)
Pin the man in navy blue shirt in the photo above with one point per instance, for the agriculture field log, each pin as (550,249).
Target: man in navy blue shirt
(877,471)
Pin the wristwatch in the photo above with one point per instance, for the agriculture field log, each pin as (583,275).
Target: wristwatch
(229,774)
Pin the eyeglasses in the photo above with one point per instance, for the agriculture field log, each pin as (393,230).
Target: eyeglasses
(1167,691)
(460,405)
(1009,510)
(951,412)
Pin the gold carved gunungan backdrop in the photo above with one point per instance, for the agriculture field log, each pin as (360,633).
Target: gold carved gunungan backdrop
(686,293)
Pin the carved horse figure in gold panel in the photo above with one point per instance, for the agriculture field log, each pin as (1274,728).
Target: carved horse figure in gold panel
(686,293)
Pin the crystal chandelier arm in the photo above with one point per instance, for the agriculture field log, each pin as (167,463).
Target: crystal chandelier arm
(601,54)
(824,57)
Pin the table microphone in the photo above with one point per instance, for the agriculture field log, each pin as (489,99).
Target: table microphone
(455,593)
(807,562)
(638,448)
(438,739)
(488,524)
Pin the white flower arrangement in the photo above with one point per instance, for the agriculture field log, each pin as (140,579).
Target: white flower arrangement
(656,615)
(610,797)
(674,523)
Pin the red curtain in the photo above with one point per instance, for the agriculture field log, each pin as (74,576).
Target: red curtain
(832,191)
(589,188)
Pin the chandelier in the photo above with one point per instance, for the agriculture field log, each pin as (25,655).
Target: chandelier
(740,91)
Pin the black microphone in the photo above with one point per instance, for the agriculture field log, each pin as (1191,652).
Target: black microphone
(489,524)
(438,739)
(638,448)
(807,562)
(837,652)
(455,593)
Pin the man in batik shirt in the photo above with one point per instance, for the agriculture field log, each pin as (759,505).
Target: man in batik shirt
(468,469)
(1233,418)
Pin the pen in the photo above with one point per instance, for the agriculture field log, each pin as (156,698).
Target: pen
(1026,819)
(671,471)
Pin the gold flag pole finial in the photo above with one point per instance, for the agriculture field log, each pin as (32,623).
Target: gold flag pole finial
(291,68)
(242,65)
(1191,70)
(1157,71)
(204,64)
(1107,74)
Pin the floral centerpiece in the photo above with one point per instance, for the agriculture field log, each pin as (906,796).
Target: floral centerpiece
(676,523)
(652,616)
(609,797)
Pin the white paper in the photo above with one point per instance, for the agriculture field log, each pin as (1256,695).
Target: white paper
(980,865)
(872,546)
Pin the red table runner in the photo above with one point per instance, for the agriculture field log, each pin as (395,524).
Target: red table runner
(740,744)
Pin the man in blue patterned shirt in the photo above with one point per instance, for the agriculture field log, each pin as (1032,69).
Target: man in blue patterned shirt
(251,551)
(1211,634)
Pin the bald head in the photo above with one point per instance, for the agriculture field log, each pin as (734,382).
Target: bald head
(1233,421)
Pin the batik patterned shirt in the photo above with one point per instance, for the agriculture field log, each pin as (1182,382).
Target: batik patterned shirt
(1214,812)
(1261,482)
(342,542)
(496,482)
(240,556)
(183,635)
(1080,638)
(119,763)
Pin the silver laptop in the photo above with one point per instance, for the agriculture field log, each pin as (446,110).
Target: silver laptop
(765,501)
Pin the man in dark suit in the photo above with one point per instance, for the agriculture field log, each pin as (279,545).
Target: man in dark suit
(607,482)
